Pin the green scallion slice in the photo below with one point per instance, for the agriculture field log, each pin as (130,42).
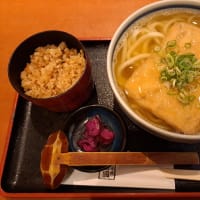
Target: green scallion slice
(187,45)
(179,71)
(171,43)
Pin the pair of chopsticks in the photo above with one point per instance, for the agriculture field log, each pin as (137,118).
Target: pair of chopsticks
(137,158)
(55,155)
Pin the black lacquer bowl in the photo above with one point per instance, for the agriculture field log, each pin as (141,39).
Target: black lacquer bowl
(66,101)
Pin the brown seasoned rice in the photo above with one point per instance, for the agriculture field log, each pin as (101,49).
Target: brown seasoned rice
(52,70)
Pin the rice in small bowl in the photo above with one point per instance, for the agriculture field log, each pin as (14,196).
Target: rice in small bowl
(153,69)
(52,70)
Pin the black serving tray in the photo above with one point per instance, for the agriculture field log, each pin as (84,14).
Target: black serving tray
(32,125)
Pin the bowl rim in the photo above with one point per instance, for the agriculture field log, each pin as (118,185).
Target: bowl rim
(149,127)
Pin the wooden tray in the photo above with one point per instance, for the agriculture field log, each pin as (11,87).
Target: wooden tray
(32,125)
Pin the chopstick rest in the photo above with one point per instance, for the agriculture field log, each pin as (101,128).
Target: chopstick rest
(55,159)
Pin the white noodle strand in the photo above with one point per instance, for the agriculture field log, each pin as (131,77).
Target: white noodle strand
(143,38)
(171,22)
(132,60)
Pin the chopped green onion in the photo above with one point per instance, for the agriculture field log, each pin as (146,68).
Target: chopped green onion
(186,99)
(187,45)
(170,60)
(157,48)
(172,92)
(173,82)
(180,70)
(171,43)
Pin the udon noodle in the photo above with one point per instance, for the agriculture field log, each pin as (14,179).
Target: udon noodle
(142,39)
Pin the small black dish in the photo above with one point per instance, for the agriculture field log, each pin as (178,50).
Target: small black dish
(75,124)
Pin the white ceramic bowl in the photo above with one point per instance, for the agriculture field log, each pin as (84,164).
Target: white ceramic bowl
(150,8)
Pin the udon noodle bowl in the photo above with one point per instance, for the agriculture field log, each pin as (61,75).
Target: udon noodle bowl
(157,68)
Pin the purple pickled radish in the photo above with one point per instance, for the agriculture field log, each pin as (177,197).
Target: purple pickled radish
(93,126)
(106,136)
(95,135)
(88,144)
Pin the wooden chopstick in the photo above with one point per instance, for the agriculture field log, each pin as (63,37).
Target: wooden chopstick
(128,158)
(181,174)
